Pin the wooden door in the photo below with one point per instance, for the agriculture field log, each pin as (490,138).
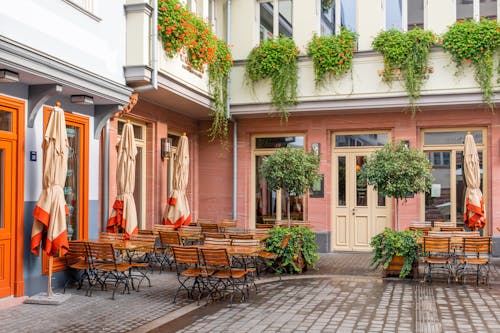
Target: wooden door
(359,212)
(6,219)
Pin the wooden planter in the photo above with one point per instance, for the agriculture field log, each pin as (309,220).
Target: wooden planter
(395,267)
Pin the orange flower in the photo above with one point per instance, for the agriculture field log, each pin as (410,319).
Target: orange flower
(163,9)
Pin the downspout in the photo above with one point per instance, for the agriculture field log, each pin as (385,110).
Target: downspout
(235,122)
(154,51)
(105,177)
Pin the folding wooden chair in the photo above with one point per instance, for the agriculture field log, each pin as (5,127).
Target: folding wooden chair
(167,240)
(209,227)
(241,236)
(189,272)
(217,241)
(436,256)
(475,259)
(77,259)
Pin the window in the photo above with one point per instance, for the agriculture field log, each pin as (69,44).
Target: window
(275,18)
(404,14)
(341,13)
(476,9)
(76,185)
(445,201)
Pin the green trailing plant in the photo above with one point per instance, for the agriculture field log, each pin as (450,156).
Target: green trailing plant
(397,171)
(302,244)
(405,54)
(292,170)
(474,43)
(276,59)
(390,243)
(331,54)
(181,31)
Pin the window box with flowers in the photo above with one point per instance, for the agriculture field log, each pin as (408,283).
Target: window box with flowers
(276,59)
(181,31)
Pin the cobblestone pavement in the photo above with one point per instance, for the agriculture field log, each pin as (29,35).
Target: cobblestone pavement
(343,295)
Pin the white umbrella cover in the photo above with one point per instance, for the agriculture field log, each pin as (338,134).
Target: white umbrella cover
(474,212)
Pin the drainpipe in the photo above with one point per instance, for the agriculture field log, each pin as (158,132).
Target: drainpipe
(235,122)
(154,51)
(105,176)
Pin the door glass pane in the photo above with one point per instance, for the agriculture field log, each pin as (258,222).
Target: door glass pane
(266,20)
(265,199)
(137,185)
(285,17)
(465,9)
(461,185)
(341,182)
(361,185)
(71,187)
(415,14)
(394,13)
(438,201)
(2,189)
(380,200)
(488,9)
(5,121)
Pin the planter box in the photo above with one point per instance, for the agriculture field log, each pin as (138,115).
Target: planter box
(395,267)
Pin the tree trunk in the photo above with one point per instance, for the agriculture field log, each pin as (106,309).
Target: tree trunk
(288,208)
(397,214)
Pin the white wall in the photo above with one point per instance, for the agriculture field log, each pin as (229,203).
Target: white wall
(63,32)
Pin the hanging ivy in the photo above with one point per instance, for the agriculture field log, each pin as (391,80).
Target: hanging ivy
(276,59)
(331,54)
(474,43)
(406,55)
(181,31)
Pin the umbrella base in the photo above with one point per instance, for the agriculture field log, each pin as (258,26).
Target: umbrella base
(42,298)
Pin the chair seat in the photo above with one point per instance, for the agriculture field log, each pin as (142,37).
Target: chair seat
(191,272)
(473,261)
(268,255)
(227,274)
(111,267)
(80,265)
(436,260)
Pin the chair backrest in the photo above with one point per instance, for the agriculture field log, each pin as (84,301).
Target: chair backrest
(216,257)
(111,236)
(451,229)
(241,236)
(145,231)
(285,241)
(245,242)
(436,245)
(187,255)
(102,252)
(209,227)
(217,241)
(163,227)
(424,229)
(147,238)
(264,226)
(454,233)
(227,223)
(444,224)
(78,251)
(199,221)
(478,246)
(214,235)
(170,238)
(193,229)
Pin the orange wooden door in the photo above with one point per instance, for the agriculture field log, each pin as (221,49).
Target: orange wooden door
(6,219)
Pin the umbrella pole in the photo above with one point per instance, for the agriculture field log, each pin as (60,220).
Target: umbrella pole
(49,287)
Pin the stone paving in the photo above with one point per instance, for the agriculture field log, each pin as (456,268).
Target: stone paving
(344,295)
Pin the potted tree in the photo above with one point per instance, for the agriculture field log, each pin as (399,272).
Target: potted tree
(294,171)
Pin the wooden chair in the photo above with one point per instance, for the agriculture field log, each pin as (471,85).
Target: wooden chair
(424,229)
(168,239)
(225,277)
(227,223)
(209,227)
(214,235)
(163,227)
(264,226)
(77,259)
(148,256)
(270,260)
(145,231)
(110,236)
(436,255)
(199,221)
(241,236)
(451,229)
(217,241)
(107,267)
(189,272)
(475,259)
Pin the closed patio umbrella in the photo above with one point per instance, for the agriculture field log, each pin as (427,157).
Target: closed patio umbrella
(124,214)
(49,226)
(177,210)
(474,212)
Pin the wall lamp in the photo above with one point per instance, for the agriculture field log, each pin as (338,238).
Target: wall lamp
(82,99)
(165,147)
(8,76)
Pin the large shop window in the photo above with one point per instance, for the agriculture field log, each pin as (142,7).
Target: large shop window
(337,14)
(270,205)
(404,14)
(476,9)
(275,18)
(140,170)
(76,186)
(444,149)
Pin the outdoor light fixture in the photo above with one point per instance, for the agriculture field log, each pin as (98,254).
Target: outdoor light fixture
(8,76)
(166,147)
(82,99)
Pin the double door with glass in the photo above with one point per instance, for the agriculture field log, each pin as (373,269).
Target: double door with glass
(359,212)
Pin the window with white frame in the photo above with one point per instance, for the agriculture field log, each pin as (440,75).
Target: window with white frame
(404,15)
(275,18)
(336,14)
(476,9)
